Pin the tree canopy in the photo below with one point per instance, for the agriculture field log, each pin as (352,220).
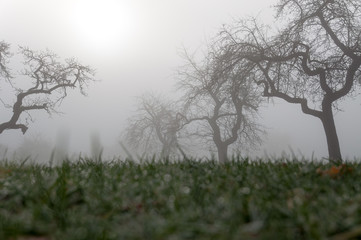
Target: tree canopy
(313,59)
(222,101)
(46,84)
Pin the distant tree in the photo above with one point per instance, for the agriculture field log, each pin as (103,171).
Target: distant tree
(222,102)
(155,127)
(36,149)
(44,83)
(96,146)
(313,60)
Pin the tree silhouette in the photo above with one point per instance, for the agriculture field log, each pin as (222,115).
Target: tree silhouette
(222,101)
(46,82)
(313,60)
(155,127)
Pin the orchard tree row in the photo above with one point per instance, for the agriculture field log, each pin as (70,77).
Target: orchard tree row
(310,57)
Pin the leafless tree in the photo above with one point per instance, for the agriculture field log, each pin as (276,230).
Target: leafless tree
(4,59)
(44,83)
(222,101)
(155,127)
(313,60)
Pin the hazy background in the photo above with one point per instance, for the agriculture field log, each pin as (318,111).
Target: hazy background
(134,46)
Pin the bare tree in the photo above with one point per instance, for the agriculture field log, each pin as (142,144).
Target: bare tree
(4,59)
(313,60)
(44,80)
(155,127)
(222,101)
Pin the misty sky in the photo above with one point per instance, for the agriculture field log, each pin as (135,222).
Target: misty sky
(134,46)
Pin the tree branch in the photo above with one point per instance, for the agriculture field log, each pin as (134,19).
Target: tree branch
(347,51)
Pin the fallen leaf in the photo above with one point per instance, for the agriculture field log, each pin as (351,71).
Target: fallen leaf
(4,172)
(335,171)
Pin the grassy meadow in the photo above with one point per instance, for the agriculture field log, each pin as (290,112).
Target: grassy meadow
(188,199)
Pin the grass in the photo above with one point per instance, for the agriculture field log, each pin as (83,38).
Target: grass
(179,200)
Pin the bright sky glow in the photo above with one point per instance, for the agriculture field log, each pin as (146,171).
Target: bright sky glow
(104,25)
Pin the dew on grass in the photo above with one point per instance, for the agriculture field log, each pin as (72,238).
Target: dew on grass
(167,178)
(245,190)
(252,227)
(171,200)
(221,200)
(185,190)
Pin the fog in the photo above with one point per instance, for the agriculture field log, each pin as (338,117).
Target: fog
(134,47)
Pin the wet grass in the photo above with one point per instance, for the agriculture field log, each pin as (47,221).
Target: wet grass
(179,200)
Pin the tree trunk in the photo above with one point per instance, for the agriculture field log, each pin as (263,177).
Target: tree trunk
(165,151)
(334,151)
(222,153)
(181,151)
